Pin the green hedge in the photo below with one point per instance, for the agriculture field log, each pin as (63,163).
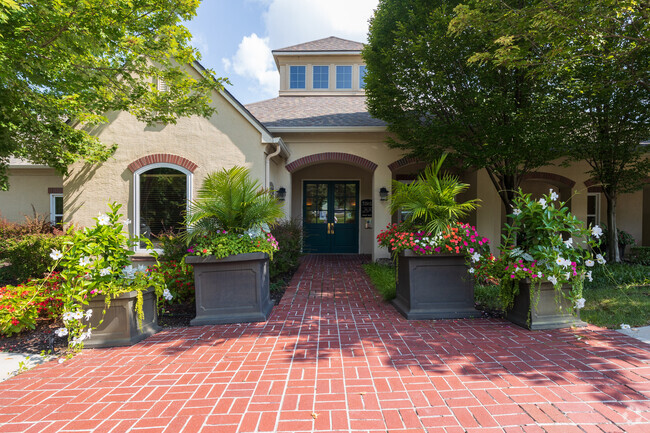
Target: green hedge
(640,255)
(285,261)
(29,255)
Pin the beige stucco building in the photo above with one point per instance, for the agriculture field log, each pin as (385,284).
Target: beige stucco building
(315,144)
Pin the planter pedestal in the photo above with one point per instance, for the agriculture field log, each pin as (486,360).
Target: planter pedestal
(546,313)
(119,326)
(434,287)
(233,289)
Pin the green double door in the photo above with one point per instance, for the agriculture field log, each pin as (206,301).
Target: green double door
(331,217)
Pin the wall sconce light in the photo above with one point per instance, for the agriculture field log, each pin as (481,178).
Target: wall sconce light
(281,193)
(383,194)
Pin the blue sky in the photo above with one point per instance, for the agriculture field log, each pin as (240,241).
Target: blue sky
(236,37)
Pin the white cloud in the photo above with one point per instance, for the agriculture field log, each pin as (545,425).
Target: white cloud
(253,60)
(290,22)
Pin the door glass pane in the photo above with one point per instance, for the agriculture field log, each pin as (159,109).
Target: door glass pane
(316,203)
(350,217)
(591,205)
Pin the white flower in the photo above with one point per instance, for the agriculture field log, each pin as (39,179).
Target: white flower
(61,360)
(78,315)
(84,261)
(569,242)
(553,280)
(567,275)
(625,326)
(516,211)
(563,262)
(103,219)
(61,332)
(126,222)
(167,295)
(89,313)
(85,335)
(554,195)
(542,201)
(476,257)
(56,254)
(589,263)
(600,259)
(470,270)
(596,232)
(105,271)
(67,316)
(580,303)
(589,277)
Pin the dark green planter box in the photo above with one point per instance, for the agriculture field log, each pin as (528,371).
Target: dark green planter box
(546,313)
(434,287)
(119,326)
(233,289)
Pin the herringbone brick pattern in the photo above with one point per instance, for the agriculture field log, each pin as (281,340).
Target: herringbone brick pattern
(334,357)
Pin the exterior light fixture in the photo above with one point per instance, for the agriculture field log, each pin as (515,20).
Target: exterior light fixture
(383,194)
(281,193)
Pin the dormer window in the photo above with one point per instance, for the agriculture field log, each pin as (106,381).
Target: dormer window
(344,77)
(296,77)
(321,77)
(362,77)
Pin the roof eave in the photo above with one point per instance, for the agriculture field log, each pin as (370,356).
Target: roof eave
(280,129)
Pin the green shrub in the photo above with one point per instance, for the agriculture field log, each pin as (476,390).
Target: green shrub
(29,255)
(285,261)
(179,279)
(640,256)
(174,247)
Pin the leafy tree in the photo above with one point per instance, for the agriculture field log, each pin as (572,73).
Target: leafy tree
(231,200)
(430,200)
(65,63)
(420,82)
(598,54)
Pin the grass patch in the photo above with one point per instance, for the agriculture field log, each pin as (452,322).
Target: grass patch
(383,278)
(620,293)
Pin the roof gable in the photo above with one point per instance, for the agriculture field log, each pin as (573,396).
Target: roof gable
(327,44)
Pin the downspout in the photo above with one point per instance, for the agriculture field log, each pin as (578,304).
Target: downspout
(267,177)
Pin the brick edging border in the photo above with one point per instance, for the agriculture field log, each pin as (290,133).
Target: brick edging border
(162,158)
(330,157)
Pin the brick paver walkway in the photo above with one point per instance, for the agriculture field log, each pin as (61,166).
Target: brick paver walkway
(333,357)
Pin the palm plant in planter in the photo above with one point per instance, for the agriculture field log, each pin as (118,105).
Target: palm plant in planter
(431,247)
(545,256)
(230,246)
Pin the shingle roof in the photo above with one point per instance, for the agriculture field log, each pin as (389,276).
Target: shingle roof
(327,44)
(313,111)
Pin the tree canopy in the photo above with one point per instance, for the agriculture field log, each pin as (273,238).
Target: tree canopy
(420,82)
(64,64)
(598,54)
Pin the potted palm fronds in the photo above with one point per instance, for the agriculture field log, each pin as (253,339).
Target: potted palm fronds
(230,245)
(431,247)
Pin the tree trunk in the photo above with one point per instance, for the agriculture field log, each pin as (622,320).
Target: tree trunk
(612,232)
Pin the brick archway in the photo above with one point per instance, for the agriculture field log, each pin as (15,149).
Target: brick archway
(404,162)
(330,157)
(552,178)
(162,158)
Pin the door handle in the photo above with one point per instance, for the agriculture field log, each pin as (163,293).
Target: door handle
(330,228)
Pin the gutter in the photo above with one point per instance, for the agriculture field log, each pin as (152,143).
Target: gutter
(267,174)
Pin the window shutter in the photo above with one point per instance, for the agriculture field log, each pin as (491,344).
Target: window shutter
(162,85)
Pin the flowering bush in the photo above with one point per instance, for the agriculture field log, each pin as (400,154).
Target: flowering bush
(458,238)
(22,305)
(544,243)
(179,279)
(96,262)
(222,243)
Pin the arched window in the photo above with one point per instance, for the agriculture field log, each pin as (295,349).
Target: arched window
(161,198)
